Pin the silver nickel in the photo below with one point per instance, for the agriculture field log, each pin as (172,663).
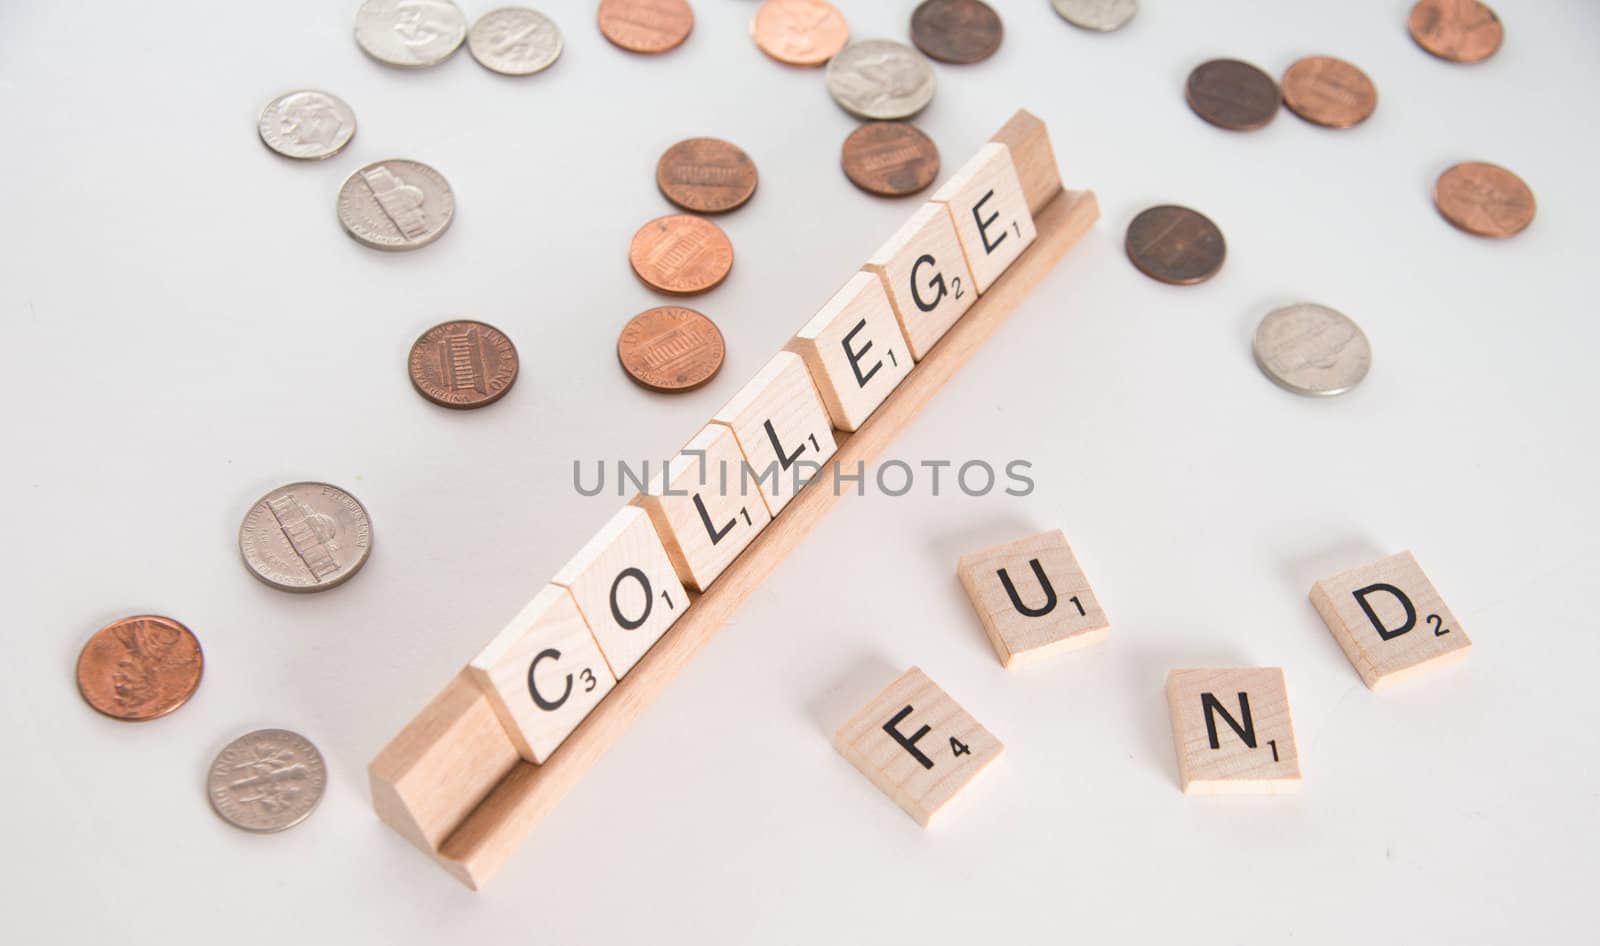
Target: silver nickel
(396,205)
(305,537)
(1102,16)
(1312,350)
(514,41)
(267,780)
(307,125)
(881,80)
(410,34)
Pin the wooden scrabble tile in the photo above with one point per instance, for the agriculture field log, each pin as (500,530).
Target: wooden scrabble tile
(1232,730)
(705,506)
(782,428)
(543,673)
(854,350)
(1389,619)
(926,277)
(1032,597)
(625,588)
(990,213)
(917,745)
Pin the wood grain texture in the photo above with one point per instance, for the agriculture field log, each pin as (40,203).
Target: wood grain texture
(926,276)
(780,401)
(1054,610)
(1419,632)
(1032,158)
(1215,757)
(854,350)
(990,213)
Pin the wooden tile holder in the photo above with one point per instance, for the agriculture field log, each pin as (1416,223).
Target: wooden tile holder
(452,783)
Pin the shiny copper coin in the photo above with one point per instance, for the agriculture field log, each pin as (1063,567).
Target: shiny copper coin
(463,364)
(1484,199)
(1175,245)
(1457,30)
(706,175)
(681,255)
(1329,92)
(645,26)
(1233,95)
(957,31)
(799,32)
(891,159)
(670,349)
(139,668)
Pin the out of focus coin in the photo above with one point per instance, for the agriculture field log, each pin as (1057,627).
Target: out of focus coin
(1175,245)
(1102,16)
(266,781)
(956,31)
(514,41)
(880,79)
(1311,349)
(645,26)
(305,537)
(680,254)
(410,34)
(396,205)
(1233,95)
(1457,30)
(891,159)
(463,364)
(670,349)
(799,32)
(1484,199)
(706,175)
(1328,91)
(139,668)
(307,125)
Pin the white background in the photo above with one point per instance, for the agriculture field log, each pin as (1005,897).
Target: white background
(189,327)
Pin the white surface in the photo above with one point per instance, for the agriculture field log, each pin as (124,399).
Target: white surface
(190,327)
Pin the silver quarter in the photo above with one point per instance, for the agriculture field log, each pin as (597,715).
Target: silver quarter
(307,125)
(396,205)
(267,780)
(305,537)
(880,79)
(410,34)
(514,41)
(1311,349)
(1102,16)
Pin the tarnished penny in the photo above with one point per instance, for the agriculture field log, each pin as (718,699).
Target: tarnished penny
(1312,350)
(396,205)
(645,26)
(680,254)
(1457,30)
(891,159)
(670,349)
(266,781)
(1102,16)
(463,364)
(307,125)
(305,537)
(1484,199)
(1329,92)
(140,668)
(799,32)
(1232,94)
(956,31)
(706,175)
(1175,245)
(880,80)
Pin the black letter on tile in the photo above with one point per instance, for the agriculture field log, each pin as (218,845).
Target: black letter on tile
(1247,732)
(908,744)
(1400,596)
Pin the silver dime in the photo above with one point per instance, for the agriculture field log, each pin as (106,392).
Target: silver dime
(880,79)
(396,205)
(410,33)
(305,537)
(514,41)
(1311,349)
(307,125)
(267,780)
(1102,16)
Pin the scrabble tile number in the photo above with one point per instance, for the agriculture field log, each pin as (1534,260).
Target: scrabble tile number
(1439,630)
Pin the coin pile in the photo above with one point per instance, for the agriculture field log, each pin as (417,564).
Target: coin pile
(415,34)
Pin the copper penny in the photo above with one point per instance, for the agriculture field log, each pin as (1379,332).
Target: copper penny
(462,364)
(1329,92)
(1457,30)
(1175,245)
(670,349)
(799,32)
(956,31)
(1233,95)
(706,175)
(1484,199)
(645,26)
(139,668)
(680,254)
(891,159)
